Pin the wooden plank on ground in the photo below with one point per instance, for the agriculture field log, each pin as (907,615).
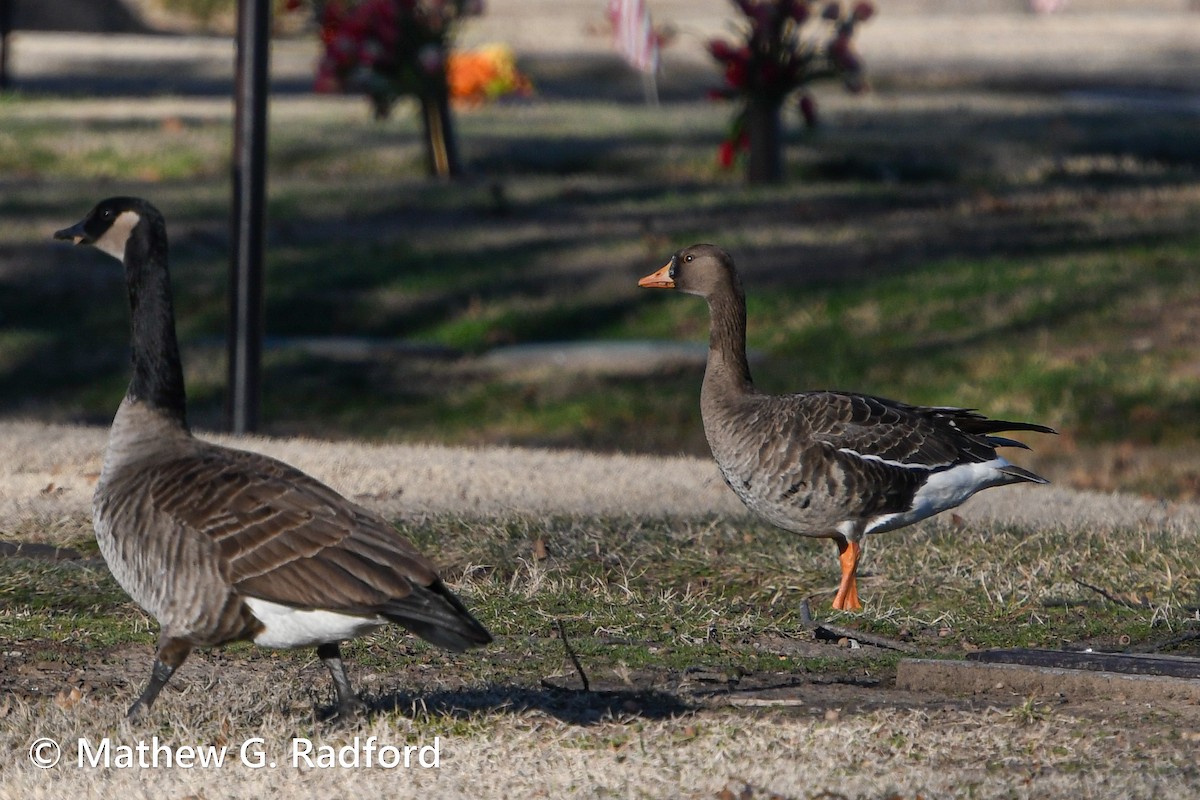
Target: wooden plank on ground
(1129,663)
(974,677)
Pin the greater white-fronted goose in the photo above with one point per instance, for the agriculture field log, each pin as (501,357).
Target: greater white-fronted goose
(830,464)
(221,545)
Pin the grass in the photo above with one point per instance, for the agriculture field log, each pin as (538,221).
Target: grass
(1057,290)
(668,596)
(672,621)
(1030,255)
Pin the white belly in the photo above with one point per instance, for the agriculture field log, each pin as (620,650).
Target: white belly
(284,626)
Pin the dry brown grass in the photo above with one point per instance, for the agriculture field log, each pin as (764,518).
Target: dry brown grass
(1034,751)
(647,733)
(837,729)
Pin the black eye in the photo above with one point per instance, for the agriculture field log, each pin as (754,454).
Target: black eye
(106,213)
(688,258)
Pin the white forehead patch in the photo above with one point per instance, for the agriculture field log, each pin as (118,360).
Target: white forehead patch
(113,240)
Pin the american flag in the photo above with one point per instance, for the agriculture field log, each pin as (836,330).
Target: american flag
(633,35)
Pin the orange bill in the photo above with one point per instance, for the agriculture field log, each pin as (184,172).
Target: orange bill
(659,280)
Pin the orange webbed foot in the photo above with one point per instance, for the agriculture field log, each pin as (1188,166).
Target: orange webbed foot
(847,593)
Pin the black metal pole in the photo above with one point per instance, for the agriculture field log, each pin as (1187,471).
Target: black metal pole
(6,17)
(249,183)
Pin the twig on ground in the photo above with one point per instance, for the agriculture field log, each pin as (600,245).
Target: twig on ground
(1109,596)
(562,634)
(838,632)
(1174,641)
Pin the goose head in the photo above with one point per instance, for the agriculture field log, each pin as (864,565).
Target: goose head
(111,224)
(702,269)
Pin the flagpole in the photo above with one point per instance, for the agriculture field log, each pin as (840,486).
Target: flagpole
(650,87)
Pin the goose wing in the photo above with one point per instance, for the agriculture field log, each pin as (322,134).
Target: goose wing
(905,436)
(285,537)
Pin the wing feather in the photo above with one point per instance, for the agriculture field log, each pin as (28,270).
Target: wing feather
(284,536)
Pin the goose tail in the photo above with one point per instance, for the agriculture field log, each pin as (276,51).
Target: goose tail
(437,615)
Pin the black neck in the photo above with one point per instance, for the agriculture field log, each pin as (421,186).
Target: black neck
(157,372)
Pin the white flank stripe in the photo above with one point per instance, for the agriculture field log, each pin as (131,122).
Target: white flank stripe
(943,490)
(284,626)
(890,463)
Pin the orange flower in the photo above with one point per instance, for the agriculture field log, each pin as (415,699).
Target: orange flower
(477,76)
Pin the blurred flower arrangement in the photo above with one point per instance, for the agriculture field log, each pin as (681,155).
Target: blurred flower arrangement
(478,76)
(389,49)
(783,45)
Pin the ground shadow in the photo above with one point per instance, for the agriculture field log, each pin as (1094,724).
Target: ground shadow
(573,706)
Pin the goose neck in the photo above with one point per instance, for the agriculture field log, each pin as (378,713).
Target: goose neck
(157,371)
(727,363)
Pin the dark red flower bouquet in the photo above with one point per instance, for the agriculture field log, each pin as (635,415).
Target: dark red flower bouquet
(388,49)
(783,46)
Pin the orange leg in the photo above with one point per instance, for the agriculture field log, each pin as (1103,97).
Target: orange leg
(847,593)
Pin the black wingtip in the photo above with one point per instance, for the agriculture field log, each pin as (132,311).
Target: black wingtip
(463,634)
(1023,474)
(437,615)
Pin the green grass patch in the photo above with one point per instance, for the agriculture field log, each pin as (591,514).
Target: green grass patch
(648,602)
(1032,276)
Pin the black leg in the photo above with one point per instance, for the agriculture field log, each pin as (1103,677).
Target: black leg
(348,703)
(171,653)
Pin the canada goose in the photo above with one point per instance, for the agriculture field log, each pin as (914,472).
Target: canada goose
(830,464)
(221,545)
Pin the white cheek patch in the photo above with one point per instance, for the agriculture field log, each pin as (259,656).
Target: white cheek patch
(113,240)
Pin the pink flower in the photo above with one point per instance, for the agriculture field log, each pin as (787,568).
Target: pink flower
(863,11)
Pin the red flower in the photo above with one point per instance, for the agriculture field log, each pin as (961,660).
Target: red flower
(326,79)
(725,154)
(728,150)
(863,11)
(841,54)
(808,110)
(735,74)
(721,50)
(784,46)
(293,5)
(762,17)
